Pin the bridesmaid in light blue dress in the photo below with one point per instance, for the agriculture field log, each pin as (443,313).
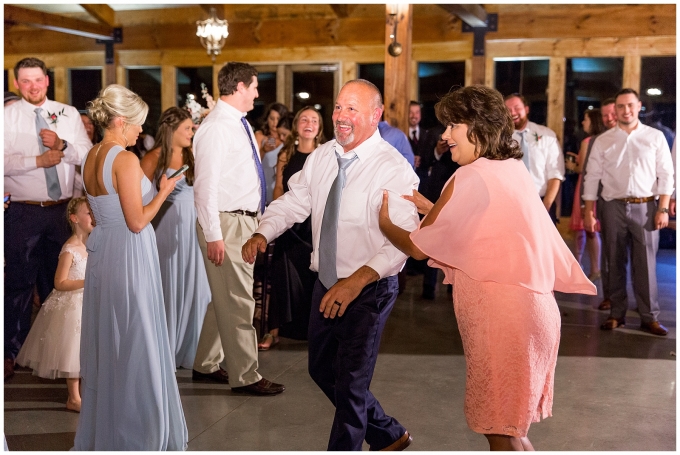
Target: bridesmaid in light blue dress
(185,283)
(130,398)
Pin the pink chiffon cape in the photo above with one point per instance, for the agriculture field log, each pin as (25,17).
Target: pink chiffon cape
(495,228)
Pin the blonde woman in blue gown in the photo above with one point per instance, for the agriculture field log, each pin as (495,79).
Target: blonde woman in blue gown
(130,399)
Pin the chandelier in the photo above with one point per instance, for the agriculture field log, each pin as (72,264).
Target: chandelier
(212,32)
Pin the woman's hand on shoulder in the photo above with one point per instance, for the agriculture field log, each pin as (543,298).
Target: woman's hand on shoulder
(423,204)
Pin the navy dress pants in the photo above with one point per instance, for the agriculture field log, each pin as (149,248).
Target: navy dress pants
(34,236)
(342,356)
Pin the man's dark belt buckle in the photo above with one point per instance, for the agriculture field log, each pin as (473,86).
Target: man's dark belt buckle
(244,212)
(636,200)
(44,203)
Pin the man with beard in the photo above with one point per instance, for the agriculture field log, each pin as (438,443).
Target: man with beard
(357,284)
(542,155)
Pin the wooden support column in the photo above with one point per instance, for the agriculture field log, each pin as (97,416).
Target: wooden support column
(490,73)
(556,86)
(349,72)
(110,71)
(415,95)
(631,72)
(168,86)
(121,76)
(60,84)
(478,71)
(10,81)
(398,69)
(281,86)
(216,89)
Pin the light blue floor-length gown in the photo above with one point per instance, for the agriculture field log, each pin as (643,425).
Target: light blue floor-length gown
(130,398)
(185,283)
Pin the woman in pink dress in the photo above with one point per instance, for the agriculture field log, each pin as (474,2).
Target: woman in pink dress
(592,126)
(499,249)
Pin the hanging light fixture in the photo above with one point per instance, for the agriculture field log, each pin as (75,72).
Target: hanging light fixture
(212,32)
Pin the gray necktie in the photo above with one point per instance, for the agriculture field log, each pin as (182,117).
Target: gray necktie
(328,240)
(525,148)
(51,174)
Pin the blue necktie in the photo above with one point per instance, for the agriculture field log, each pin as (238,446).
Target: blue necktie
(258,164)
(51,174)
(328,240)
(525,149)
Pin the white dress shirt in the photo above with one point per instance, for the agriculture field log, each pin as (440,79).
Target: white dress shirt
(226,173)
(23,179)
(360,242)
(638,164)
(546,161)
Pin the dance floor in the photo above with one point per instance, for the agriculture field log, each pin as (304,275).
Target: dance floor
(613,390)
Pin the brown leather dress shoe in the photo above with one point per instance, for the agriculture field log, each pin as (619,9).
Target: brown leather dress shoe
(218,375)
(655,328)
(9,368)
(611,324)
(260,388)
(606,304)
(400,444)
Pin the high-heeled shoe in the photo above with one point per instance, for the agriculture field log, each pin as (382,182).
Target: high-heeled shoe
(261,345)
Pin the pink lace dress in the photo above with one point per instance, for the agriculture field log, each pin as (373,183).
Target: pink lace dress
(499,249)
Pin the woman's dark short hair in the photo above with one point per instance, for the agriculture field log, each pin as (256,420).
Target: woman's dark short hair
(231,74)
(596,123)
(489,122)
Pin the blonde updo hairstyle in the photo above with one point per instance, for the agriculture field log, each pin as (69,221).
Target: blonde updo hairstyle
(117,101)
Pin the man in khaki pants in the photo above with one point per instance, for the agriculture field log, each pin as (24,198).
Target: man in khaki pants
(229,195)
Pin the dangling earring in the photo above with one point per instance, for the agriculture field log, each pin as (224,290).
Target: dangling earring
(297,142)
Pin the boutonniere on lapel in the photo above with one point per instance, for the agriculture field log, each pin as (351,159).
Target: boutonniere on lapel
(54,118)
(537,137)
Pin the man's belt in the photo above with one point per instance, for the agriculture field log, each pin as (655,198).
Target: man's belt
(636,200)
(244,212)
(43,203)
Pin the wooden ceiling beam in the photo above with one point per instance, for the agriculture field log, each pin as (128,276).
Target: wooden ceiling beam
(103,13)
(343,11)
(473,15)
(16,15)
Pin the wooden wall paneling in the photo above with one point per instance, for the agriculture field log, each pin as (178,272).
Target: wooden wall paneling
(398,69)
(583,47)
(448,51)
(490,73)
(168,86)
(66,59)
(348,71)
(631,72)
(281,86)
(61,84)
(556,86)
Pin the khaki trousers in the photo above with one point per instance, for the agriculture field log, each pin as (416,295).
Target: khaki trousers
(228,333)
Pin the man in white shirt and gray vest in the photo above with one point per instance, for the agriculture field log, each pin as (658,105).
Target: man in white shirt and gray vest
(341,186)
(44,141)
(542,154)
(633,163)
(229,194)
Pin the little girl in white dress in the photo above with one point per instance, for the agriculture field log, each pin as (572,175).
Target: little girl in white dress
(52,348)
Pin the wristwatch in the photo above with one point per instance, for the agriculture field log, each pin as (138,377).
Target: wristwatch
(663,210)
(65,145)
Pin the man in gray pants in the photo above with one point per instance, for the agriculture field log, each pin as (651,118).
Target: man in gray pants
(633,163)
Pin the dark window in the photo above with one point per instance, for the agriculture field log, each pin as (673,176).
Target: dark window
(85,86)
(374,73)
(50,88)
(6,83)
(530,79)
(266,88)
(146,82)
(436,79)
(657,92)
(189,80)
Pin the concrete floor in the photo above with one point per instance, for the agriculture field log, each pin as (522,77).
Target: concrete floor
(613,390)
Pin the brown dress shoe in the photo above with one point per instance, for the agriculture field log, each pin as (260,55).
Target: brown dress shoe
(606,304)
(9,368)
(611,324)
(218,375)
(260,388)
(400,444)
(655,328)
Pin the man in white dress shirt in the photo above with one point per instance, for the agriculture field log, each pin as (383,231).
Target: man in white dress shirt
(357,266)
(633,163)
(44,141)
(229,194)
(542,154)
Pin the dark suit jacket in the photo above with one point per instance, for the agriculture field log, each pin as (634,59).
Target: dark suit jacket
(433,173)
